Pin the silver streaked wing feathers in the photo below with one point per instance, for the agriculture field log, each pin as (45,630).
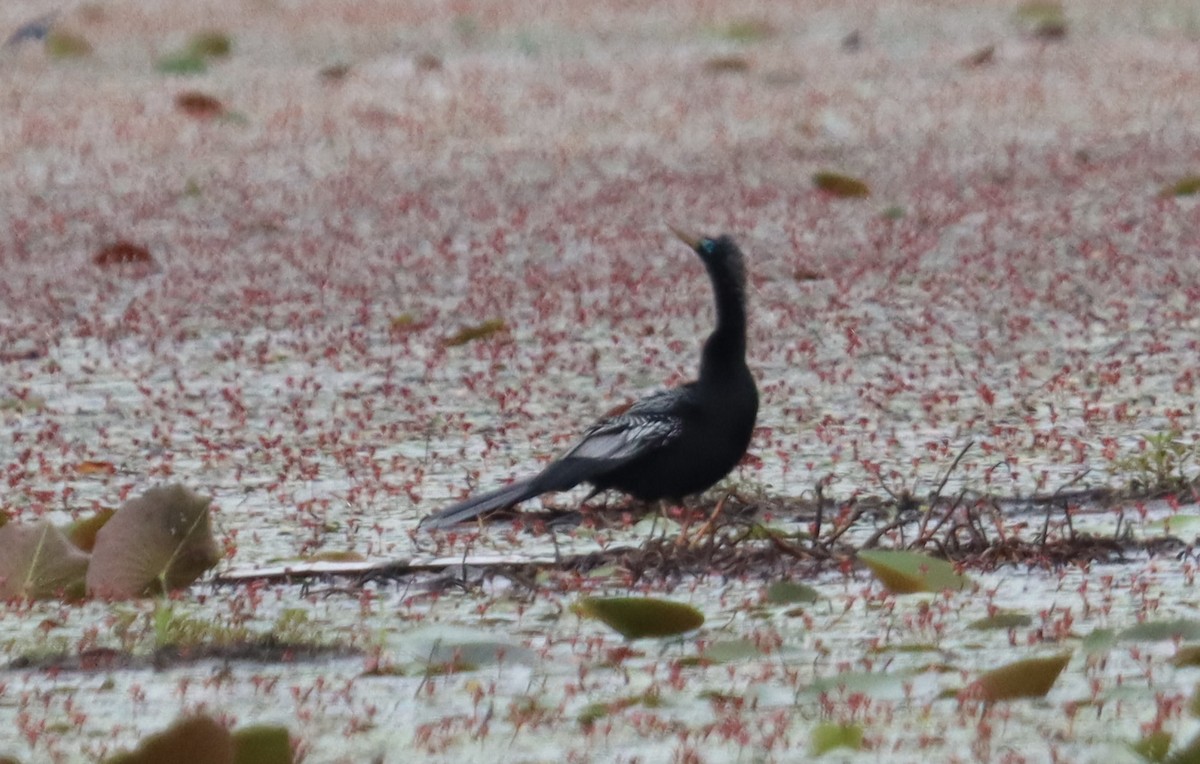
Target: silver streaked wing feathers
(625,436)
(647,424)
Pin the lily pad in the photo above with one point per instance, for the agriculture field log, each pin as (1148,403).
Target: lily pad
(828,736)
(182,63)
(197,740)
(1159,631)
(844,186)
(732,650)
(67,45)
(200,105)
(37,561)
(477,332)
(1153,747)
(909,572)
(160,541)
(262,744)
(1001,621)
(638,617)
(1029,678)
(1186,186)
(790,593)
(1189,754)
(82,532)
(121,253)
(1043,18)
(210,44)
(449,649)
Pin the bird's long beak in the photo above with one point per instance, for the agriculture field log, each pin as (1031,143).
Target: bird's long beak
(691,240)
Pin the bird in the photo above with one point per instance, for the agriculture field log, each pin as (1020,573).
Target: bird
(670,444)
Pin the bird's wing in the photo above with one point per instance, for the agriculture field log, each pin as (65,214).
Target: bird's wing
(646,425)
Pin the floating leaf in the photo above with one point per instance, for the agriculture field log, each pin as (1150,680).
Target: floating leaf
(196,740)
(1187,655)
(1186,186)
(731,650)
(1153,747)
(477,332)
(748,30)
(210,44)
(1158,631)
(828,736)
(1043,18)
(25,402)
(1099,641)
(121,253)
(427,62)
(789,593)
(448,649)
(95,468)
(334,72)
(402,322)
(1189,754)
(38,562)
(160,541)
(67,45)
(182,63)
(909,572)
(1001,621)
(197,104)
(721,64)
(592,713)
(1029,678)
(82,533)
(981,57)
(637,617)
(332,555)
(840,185)
(262,744)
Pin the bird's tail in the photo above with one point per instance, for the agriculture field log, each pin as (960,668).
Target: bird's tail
(501,498)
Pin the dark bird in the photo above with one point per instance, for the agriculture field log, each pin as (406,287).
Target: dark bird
(670,444)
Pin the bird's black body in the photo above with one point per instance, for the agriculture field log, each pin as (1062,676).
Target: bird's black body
(670,444)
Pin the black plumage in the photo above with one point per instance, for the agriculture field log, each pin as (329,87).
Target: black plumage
(670,444)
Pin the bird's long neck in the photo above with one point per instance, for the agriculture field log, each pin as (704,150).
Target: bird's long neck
(725,349)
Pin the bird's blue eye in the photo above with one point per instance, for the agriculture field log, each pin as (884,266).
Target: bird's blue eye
(707,246)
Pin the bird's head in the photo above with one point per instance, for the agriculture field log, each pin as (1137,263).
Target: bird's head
(719,254)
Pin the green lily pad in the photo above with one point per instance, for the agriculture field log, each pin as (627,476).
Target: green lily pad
(732,650)
(839,185)
(910,572)
(67,45)
(477,332)
(1153,747)
(182,63)
(197,740)
(1186,186)
(159,541)
(828,736)
(1159,631)
(790,593)
(262,744)
(638,617)
(37,561)
(210,44)
(1029,678)
(1001,621)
